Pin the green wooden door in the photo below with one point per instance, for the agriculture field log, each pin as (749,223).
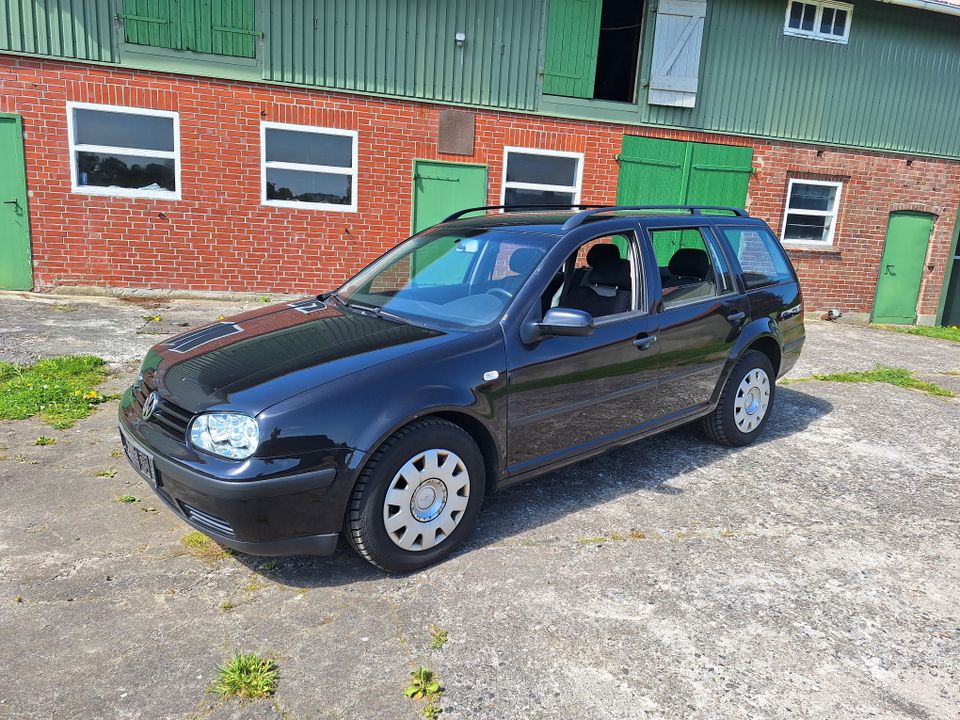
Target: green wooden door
(573,36)
(16,272)
(671,172)
(442,188)
(218,27)
(901,269)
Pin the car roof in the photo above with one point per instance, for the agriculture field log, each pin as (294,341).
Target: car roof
(554,222)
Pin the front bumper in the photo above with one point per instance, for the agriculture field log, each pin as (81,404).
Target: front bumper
(289,515)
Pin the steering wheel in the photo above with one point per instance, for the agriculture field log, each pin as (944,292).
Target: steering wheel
(501,293)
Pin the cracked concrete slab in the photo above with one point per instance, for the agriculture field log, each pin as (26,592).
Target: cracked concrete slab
(814,574)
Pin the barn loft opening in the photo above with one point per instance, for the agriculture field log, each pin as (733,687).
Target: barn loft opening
(618,50)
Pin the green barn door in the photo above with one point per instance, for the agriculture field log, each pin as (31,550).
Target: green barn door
(901,269)
(671,172)
(573,36)
(442,188)
(16,271)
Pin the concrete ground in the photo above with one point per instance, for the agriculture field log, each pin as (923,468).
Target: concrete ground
(815,574)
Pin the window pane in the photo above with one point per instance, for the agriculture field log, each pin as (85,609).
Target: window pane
(811,228)
(116,129)
(796,15)
(826,20)
(687,271)
(513,196)
(602,280)
(309,148)
(840,23)
(125,171)
(311,187)
(541,169)
(760,256)
(813,197)
(809,15)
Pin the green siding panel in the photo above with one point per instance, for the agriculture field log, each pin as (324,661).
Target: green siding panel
(78,29)
(573,33)
(407,48)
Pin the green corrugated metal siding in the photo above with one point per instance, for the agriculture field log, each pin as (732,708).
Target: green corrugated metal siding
(895,86)
(80,29)
(406,47)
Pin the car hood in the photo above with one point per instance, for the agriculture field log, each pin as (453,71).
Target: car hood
(251,361)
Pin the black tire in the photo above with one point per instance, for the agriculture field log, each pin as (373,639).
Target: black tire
(721,425)
(364,524)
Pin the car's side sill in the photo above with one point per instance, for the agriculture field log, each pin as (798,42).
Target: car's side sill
(678,420)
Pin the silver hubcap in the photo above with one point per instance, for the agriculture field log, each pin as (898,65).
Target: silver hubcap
(426,499)
(752,401)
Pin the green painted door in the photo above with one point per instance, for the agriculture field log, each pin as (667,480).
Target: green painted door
(16,271)
(573,36)
(901,269)
(671,172)
(442,188)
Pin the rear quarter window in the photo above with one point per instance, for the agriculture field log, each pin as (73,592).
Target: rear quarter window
(760,256)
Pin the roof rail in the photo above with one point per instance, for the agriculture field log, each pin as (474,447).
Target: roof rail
(460,213)
(577,220)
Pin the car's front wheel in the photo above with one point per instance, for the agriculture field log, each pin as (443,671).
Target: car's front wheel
(418,497)
(746,401)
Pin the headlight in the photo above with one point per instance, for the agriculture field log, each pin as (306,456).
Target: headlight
(228,435)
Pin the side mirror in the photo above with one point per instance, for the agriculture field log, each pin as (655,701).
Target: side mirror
(559,321)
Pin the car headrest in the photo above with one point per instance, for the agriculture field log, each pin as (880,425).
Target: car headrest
(603,253)
(690,262)
(611,274)
(524,259)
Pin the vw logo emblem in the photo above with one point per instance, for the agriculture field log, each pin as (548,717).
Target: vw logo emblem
(150,405)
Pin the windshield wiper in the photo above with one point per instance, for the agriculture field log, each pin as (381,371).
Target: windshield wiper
(376,310)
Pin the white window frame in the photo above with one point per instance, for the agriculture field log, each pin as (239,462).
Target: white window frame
(815,34)
(834,214)
(138,152)
(575,189)
(352,171)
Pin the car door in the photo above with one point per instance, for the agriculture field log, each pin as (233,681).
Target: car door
(700,311)
(568,394)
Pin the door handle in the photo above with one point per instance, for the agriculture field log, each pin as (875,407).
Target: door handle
(889,271)
(737,317)
(644,343)
(14,202)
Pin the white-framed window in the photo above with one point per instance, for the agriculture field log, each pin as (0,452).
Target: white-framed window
(308,167)
(541,177)
(810,216)
(124,151)
(819,20)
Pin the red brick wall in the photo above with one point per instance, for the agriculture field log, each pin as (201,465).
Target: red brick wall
(219,236)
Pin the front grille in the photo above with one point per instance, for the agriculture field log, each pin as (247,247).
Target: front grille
(212,522)
(173,419)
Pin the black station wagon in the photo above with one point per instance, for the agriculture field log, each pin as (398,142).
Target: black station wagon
(480,352)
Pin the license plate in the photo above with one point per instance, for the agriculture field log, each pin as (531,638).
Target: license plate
(141,460)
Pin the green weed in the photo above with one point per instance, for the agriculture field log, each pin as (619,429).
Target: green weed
(901,377)
(423,684)
(438,637)
(60,390)
(44,440)
(247,676)
(932,331)
(126,499)
(108,473)
(200,546)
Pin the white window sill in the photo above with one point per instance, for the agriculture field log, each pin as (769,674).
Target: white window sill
(327,207)
(814,247)
(125,193)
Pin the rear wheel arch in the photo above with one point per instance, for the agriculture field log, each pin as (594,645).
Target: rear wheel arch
(769,346)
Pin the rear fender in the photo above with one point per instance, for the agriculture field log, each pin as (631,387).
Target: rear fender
(760,328)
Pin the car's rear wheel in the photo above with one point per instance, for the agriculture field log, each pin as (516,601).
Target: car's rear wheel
(746,401)
(418,497)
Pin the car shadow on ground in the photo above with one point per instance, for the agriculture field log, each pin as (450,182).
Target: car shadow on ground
(647,465)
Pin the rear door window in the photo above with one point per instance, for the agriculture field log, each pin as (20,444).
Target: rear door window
(759,255)
(690,267)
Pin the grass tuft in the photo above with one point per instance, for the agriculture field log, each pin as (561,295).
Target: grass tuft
(60,390)
(44,440)
(247,676)
(126,499)
(901,377)
(200,546)
(109,473)
(932,331)
(438,637)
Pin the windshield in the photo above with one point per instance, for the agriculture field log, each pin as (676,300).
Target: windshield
(457,281)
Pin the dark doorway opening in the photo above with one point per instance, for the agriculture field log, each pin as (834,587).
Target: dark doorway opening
(618,52)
